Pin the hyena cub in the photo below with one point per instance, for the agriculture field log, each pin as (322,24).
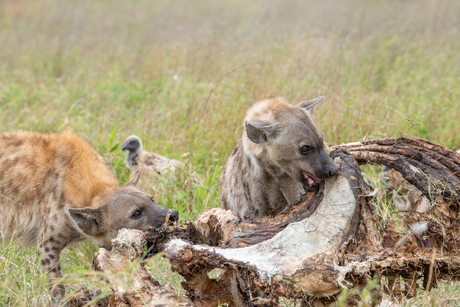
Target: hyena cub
(154,165)
(280,151)
(56,189)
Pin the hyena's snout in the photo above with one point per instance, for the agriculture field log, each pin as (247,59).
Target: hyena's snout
(328,168)
(325,171)
(322,170)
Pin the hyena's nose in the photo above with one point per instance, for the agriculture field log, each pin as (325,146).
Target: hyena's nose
(333,171)
(174,214)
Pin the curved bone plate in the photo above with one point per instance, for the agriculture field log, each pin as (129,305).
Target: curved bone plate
(294,252)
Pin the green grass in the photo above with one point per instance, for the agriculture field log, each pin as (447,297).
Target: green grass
(109,69)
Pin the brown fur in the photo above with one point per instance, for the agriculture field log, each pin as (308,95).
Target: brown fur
(267,171)
(56,189)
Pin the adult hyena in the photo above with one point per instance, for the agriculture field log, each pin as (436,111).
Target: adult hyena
(56,189)
(280,151)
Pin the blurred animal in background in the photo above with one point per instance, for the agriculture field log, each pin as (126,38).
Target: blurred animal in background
(405,196)
(153,165)
(281,152)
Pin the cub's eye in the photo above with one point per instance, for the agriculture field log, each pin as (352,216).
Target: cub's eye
(305,149)
(137,214)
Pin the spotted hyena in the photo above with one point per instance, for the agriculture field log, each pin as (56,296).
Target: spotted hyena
(280,151)
(56,189)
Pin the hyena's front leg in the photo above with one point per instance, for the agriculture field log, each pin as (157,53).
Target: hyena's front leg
(50,247)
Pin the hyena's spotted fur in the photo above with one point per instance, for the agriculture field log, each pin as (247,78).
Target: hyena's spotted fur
(280,151)
(55,189)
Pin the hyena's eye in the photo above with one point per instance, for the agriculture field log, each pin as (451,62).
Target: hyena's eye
(305,149)
(137,214)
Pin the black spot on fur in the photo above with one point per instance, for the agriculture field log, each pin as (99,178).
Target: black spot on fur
(224,202)
(53,192)
(239,161)
(46,262)
(62,200)
(63,159)
(14,191)
(47,249)
(45,142)
(51,256)
(50,180)
(52,175)
(235,150)
(14,162)
(265,198)
(247,192)
(11,141)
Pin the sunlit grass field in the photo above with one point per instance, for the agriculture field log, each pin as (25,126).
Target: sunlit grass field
(180,74)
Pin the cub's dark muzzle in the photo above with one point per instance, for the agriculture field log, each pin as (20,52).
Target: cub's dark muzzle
(174,215)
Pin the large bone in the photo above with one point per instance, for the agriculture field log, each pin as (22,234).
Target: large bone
(302,258)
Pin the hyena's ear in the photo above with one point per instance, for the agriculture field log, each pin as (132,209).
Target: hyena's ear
(132,182)
(90,220)
(261,132)
(310,105)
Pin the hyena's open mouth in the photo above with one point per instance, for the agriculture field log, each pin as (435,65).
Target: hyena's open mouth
(310,180)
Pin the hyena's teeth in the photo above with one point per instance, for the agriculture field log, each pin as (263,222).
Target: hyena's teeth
(311,180)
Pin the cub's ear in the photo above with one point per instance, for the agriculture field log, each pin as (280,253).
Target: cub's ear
(89,220)
(132,182)
(261,132)
(309,105)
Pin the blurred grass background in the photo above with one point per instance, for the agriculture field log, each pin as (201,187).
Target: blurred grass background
(109,69)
